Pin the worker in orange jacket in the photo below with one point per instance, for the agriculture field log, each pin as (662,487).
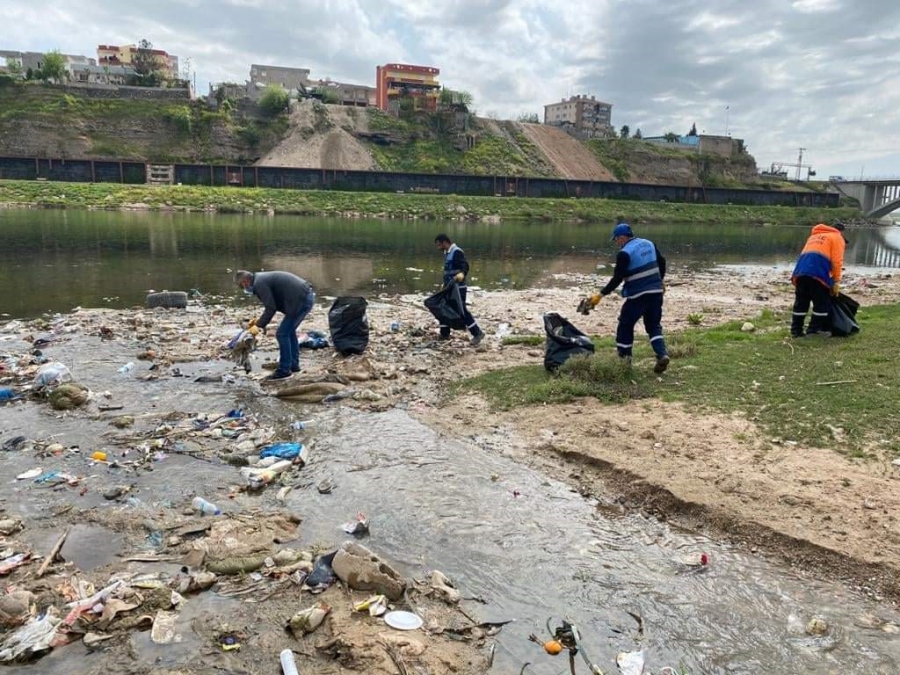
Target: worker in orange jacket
(817,278)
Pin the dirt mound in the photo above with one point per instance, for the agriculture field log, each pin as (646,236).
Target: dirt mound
(321,137)
(570,157)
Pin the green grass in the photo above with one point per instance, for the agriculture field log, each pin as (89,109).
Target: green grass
(392,205)
(786,386)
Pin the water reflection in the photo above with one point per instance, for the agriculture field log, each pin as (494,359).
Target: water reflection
(55,260)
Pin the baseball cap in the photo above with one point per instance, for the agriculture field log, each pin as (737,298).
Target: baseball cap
(839,226)
(622,230)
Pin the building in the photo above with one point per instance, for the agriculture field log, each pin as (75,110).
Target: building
(348,94)
(34,61)
(582,113)
(724,146)
(114,55)
(397,81)
(289,78)
(90,74)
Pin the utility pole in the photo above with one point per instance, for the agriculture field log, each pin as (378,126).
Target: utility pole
(800,162)
(727,108)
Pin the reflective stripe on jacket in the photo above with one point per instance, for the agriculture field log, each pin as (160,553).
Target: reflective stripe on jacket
(643,274)
(822,257)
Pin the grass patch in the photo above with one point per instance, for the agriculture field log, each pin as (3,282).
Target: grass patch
(839,393)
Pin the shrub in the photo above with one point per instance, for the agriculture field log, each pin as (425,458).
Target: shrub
(274,100)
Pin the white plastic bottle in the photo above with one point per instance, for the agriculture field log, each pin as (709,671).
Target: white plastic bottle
(127,368)
(206,508)
(288,664)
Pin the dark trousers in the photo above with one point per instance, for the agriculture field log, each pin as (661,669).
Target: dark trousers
(286,336)
(648,307)
(810,290)
(471,324)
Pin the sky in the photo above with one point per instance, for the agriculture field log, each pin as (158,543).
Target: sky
(823,75)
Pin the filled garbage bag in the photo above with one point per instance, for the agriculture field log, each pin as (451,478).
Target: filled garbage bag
(563,341)
(843,315)
(349,325)
(447,307)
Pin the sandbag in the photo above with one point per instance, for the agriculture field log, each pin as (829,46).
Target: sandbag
(447,307)
(563,341)
(349,325)
(843,315)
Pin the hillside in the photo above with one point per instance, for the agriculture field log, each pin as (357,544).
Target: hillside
(46,121)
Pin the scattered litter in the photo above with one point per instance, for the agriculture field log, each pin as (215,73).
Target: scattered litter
(403,620)
(52,374)
(308,620)
(376,605)
(31,473)
(358,526)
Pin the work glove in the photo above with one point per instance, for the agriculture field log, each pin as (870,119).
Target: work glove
(253,330)
(460,277)
(836,289)
(595,299)
(251,323)
(587,303)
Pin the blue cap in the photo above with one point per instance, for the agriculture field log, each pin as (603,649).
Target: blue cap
(622,230)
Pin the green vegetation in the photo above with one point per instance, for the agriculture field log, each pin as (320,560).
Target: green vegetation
(168,131)
(274,100)
(54,67)
(837,392)
(389,204)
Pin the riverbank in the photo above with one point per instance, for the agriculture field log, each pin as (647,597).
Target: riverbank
(715,467)
(40,194)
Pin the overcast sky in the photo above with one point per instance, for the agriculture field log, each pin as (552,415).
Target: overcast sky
(783,74)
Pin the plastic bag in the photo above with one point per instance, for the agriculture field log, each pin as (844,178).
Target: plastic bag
(563,341)
(349,325)
(52,374)
(281,450)
(843,315)
(447,307)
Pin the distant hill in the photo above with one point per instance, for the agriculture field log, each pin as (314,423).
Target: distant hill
(47,121)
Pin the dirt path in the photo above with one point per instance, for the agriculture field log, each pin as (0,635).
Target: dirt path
(320,137)
(571,158)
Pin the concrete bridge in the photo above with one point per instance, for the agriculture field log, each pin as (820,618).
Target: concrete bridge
(877,196)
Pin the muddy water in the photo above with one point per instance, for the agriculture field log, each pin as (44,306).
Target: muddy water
(523,542)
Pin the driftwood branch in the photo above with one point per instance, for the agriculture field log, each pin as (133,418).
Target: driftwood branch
(53,553)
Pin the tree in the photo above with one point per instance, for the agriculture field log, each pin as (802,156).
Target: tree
(638,134)
(625,131)
(14,67)
(446,97)
(530,118)
(274,100)
(671,137)
(29,74)
(693,131)
(54,66)
(146,65)
(464,98)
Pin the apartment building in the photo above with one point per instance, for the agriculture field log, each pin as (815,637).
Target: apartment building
(115,55)
(397,81)
(288,78)
(582,113)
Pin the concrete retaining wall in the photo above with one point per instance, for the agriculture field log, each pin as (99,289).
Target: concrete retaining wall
(87,171)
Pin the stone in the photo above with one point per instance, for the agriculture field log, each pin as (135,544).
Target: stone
(748,327)
(363,570)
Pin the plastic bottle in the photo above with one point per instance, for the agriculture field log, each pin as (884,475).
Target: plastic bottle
(288,664)
(299,426)
(204,507)
(127,368)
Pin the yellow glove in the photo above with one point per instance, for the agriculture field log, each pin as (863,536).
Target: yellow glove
(595,299)
(836,289)
(251,323)
(460,277)
(253,330)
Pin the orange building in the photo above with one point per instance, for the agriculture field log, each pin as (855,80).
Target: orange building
(394,81)
(114,55)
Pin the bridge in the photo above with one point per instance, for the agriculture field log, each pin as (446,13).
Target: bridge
(877,196)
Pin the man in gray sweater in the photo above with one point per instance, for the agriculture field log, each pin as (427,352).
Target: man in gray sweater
(286,293)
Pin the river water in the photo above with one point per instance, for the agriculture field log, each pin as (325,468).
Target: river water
(521,540)
(57,260)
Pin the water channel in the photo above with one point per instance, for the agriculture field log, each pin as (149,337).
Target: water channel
(526,543)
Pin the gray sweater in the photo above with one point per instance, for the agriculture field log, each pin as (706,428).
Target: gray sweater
(279,292)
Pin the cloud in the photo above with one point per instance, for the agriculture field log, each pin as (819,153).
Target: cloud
(819,74)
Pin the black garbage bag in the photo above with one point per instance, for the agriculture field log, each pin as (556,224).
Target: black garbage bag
(349,325)
(447,307)
(563,341)
(843,315)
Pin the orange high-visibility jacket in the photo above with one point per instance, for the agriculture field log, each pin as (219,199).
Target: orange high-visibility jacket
(823,256)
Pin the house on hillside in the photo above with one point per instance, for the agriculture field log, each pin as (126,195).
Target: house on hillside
(395,82)
(583,114)
(114,55)
(89,74)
